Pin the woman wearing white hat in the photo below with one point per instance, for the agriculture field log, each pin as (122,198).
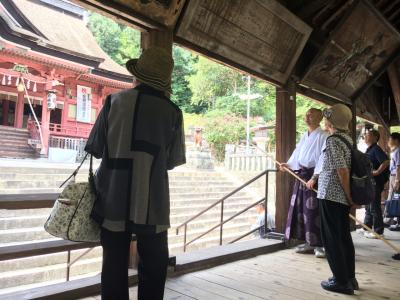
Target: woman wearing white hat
(139,136)
(335,201)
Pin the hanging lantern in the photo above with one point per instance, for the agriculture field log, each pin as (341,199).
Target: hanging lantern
(3,81)
(9,80)
(34,87)
(17,82)
(28,85)
(51,100)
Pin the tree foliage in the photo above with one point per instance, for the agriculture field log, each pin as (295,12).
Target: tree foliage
(118,41)
(202,86)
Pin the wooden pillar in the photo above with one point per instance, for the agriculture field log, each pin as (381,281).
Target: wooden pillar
(285,144)
(6,107)
(45,126)
(19,111)
(157,38)
(383,141)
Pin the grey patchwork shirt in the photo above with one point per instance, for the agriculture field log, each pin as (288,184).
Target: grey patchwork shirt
(336,155)
(139,136)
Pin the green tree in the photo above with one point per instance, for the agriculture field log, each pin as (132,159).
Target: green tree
(223,128)
(129,39)
(183,69)
(107,34)
(210,81)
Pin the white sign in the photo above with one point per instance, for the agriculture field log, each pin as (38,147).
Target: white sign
(83,104)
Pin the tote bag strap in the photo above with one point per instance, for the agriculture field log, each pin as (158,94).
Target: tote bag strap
(77,169)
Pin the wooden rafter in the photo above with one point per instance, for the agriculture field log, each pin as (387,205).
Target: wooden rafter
(394,14)
(339,12)
(394,78)
(390,6)
(311,8)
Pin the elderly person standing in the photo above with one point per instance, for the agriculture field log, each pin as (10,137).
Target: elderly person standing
(139,136)
(380,161)
(335,201)
(303,222)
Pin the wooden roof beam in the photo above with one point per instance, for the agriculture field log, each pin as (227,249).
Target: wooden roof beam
(120,12)
(390,6)
(394,78)
(394,14)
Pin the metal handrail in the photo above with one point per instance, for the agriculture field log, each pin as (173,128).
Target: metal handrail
(221,201)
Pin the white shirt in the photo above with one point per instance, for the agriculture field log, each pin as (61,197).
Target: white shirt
(308,151)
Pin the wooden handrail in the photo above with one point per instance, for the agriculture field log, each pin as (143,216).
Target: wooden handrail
(25,201)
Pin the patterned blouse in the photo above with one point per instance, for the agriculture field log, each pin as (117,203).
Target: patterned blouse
(336,155)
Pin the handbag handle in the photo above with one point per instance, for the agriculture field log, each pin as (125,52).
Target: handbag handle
(77,169)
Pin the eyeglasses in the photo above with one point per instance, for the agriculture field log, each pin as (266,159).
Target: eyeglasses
(327,113)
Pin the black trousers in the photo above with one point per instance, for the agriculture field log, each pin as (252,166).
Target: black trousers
(336,238)
(373,212)
(152,269)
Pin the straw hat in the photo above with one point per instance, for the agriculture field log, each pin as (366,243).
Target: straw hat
(154,68)
(339,115)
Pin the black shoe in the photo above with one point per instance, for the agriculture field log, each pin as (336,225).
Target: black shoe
(334,286)
(353,282)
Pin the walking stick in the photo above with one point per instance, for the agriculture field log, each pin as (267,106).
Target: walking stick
(395,256)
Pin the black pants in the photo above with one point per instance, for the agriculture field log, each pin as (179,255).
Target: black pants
(373,212)
(336,238)
(153,263)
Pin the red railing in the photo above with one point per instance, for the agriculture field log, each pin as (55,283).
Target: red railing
(69,130)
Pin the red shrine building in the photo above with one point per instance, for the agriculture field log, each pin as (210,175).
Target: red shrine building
(53,76)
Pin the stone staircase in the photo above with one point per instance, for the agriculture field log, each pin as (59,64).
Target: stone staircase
(191,192)
(14,143)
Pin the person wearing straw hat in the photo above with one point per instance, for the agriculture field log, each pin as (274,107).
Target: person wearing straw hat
(139,136)
(335,201)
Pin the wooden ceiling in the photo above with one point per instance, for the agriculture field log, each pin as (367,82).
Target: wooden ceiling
(333,49)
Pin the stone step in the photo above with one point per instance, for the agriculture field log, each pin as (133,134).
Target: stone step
(30,191)
(23,235)
(24,184)
(208,241)
(17,154)
(52,272)
(28,221)
(203,195)
(53,183)
(15,147)
(16,235)
(13,142)
(213,213)
(8,213)
(179,214)
(13,135)
(234,203)
(46,260)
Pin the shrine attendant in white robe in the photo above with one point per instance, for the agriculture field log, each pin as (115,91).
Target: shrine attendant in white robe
(303,222)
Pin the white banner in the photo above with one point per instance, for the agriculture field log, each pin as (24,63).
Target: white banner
(83,104)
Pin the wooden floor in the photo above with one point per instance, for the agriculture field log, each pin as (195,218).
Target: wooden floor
(286,275)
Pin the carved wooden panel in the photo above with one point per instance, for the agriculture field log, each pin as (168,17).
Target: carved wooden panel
(263,36)
(359,47)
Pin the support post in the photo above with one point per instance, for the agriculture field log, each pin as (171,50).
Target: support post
(285,144)
(19,111)
(45,126)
